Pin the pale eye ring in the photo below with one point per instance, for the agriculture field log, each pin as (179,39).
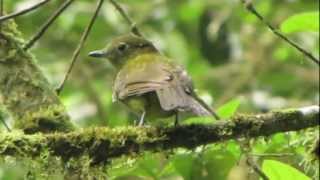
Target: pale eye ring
(122,47)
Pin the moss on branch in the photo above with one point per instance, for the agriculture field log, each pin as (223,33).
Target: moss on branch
(24,91)
(102,144)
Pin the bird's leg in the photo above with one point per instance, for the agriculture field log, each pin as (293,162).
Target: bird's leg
(176,120)
(141,121)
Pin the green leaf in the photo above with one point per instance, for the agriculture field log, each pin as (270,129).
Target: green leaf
(227,110)
(218,163)
(301,22)
(183,164)
(276,170)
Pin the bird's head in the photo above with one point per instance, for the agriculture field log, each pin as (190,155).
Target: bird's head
(123,48)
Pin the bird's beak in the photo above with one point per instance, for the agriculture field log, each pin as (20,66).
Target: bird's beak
(98,53)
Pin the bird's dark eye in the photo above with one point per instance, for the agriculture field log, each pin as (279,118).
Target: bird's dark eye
(122,47)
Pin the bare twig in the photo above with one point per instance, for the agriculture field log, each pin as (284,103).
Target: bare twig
(81,43)
(134,28)
(256,168)
(248,4)
(47,24)
(245,149)
(247,158)
(24,11)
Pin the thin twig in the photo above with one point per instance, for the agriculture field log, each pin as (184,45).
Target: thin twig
(81,43)
(134,28)
(24,11)
(47,24)
(5,124)
(245,149)
(256,168)
(248,4)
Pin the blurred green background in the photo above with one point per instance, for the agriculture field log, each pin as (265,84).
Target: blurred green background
(230,55)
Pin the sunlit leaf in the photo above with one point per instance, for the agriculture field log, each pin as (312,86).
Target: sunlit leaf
(276,170)
(308,21)
(227,110)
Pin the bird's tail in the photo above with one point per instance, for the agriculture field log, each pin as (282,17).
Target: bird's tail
(200,108)
(174,97)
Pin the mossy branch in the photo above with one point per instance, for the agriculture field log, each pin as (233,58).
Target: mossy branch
(24,91)
(103,144)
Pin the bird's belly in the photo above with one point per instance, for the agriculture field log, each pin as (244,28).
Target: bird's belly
(136,104)
(149,103)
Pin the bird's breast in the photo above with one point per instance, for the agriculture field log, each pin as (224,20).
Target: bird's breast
(149,103)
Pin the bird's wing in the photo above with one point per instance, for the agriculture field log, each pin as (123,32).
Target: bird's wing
(177,94)
(142,75)
(171,83)
(180,95)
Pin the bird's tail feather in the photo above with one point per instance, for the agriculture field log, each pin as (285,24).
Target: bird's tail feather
(174,97)
(200,108)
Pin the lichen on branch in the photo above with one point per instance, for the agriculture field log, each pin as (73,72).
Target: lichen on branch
(103,144)
(24,91)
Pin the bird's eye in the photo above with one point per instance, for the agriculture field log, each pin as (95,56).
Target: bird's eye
(122,47)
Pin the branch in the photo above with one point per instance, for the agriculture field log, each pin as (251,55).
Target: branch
(102,144)
(80,45)
(24,91)
(256,168)
(24,11)
(248,4)
(134,28)
(47,24)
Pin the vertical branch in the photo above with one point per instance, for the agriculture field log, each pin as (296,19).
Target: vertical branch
(134,28)
(24,11)
(248,4)
(256,168)
(81,43)
(245,148)
(46,25)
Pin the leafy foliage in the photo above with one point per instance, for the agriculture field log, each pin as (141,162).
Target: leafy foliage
(308,21)
(276,170)
(228,110)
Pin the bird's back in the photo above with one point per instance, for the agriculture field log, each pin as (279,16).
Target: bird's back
(152,73)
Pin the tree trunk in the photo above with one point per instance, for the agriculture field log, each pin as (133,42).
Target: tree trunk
(24,91)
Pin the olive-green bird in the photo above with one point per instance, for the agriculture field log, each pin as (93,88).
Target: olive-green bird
(147,82)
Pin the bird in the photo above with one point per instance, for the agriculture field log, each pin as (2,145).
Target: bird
(151,85)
